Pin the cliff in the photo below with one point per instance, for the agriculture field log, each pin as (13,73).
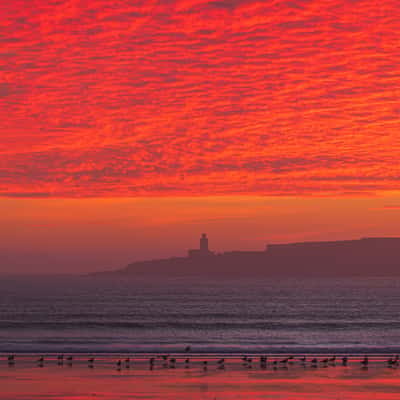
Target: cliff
(364,257)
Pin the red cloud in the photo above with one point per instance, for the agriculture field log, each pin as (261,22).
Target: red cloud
(199,97)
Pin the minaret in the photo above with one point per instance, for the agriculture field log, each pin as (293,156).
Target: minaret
(204,244)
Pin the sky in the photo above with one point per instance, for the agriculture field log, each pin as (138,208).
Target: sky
(130,127)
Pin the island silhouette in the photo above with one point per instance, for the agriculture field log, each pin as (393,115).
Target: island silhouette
(375,256)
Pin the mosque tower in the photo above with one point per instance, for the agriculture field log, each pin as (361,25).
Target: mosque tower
(204,244)
(203,250)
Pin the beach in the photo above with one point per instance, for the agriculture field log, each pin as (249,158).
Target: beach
(28,379)
(203,322)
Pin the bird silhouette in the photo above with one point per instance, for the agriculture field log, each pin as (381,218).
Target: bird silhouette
(314,362)
(365,361)
(393,361)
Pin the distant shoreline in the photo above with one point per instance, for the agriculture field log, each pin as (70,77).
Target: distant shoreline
(368,257)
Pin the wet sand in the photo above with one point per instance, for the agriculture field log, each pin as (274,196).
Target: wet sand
(80,380)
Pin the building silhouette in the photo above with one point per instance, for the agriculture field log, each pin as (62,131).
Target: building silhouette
(204,243)
(203,250)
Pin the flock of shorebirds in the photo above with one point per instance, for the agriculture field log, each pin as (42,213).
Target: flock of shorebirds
(168,361)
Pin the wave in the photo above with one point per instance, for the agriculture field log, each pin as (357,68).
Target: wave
(313,325)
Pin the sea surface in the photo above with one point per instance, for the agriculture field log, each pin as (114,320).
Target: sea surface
(88,315)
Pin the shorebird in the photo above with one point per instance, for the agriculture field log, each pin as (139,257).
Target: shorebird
(119,363)
(344,360)
(221,361)
(60,357)
(165,357)
(302,359)
(364,362)
(393,361)
(221,365)
(314,362)
(40,359)
(11,358)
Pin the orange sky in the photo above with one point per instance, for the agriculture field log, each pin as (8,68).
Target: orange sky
(160,106)
(79,235)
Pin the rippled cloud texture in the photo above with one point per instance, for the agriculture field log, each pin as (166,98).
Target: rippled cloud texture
(127,98)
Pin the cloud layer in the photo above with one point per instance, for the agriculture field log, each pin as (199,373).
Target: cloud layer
(199,97)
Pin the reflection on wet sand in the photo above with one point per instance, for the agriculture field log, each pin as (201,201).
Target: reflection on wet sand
(199,376)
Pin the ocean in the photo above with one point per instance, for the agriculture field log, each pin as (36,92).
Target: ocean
(88,315)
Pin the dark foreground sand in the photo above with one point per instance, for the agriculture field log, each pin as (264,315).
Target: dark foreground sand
(29,380)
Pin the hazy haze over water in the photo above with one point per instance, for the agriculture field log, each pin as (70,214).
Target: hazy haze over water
(286,315)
